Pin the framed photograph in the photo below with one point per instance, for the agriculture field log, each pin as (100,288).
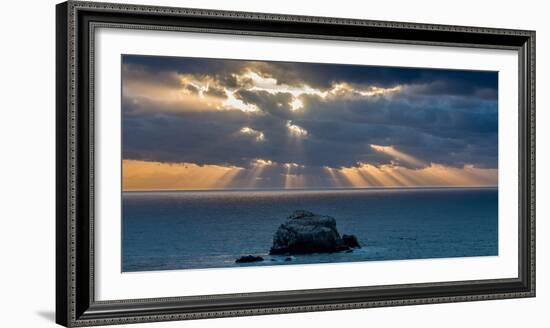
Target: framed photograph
(214,163)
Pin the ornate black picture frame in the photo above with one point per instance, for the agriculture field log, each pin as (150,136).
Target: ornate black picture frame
(75,279)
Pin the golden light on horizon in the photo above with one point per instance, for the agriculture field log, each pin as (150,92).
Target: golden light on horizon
(145,175)
(366,175)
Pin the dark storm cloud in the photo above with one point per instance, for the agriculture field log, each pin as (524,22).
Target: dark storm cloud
(191,88)
(274,104)
(437,82)
(215,92)
(188,66)
(446,131)
(439,116)
(202,138)
(133,73)
(428,81)
(223,71)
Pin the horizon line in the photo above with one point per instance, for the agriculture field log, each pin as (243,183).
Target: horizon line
(314,189)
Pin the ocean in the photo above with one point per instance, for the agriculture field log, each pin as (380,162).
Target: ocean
(173,230)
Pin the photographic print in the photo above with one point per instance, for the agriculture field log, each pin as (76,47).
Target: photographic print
(237,163)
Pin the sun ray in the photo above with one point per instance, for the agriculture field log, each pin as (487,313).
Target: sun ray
(401,156)
(334,178)
(353,177)
(371,179)
(258,166)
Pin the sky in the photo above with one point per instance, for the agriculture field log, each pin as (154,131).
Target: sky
(199,123)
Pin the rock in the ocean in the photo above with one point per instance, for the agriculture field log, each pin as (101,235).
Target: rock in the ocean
(351,241)
(306,233)
(249,259)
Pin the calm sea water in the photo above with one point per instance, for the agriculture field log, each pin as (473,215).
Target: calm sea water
(210,229)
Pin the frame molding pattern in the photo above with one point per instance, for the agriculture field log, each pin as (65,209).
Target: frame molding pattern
(75,304)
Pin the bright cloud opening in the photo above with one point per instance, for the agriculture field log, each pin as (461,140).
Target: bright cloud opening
(262,162)
(258,135)
(296,130)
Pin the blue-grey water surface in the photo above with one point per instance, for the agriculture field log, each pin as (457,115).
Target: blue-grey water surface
(210,229)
